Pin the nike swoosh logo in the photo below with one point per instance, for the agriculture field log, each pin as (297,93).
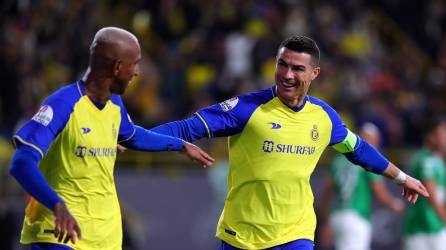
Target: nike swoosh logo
(274,125)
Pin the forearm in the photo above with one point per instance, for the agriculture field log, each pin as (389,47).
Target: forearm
(385,198)
(191,129)
(146,140)
(24,168)
(433,200)
(440,210)
(369,158)
(391,171)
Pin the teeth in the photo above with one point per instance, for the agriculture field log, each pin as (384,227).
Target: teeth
(287,85)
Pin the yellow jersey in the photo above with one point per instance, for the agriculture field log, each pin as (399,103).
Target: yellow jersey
(77,141)
(273,150)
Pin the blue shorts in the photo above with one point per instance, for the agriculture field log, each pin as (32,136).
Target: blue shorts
(49,246)
(302,244)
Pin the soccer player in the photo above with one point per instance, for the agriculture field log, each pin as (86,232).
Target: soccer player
(350,219)
(424,225)
(66,153)
(276,136)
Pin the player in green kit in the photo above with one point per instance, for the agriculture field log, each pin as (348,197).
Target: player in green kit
(349,221)
(424,223)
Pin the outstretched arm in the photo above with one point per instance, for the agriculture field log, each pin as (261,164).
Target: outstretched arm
(361,153)
(146,140)
(190,129)
(24,168)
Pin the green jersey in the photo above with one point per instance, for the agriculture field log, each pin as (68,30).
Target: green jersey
(421,217)
(352,184)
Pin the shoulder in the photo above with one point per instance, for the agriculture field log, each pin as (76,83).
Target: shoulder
(66,95)
(247,101)
(59,104)
(261,96)
(334,117)
(319,102)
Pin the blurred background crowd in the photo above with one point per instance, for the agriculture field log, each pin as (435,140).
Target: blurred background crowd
(382,61)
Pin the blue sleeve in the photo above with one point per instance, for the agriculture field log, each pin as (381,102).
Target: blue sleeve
(219,120)
(191,129)
(230,117)
(24,167)
(366,156)
(146,140)
(127,128)
(45,125)
(339,130)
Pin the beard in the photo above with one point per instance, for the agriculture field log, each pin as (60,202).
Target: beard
(119,86)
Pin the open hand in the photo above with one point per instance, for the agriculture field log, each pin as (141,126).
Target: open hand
(412,188)
(197,154)
(66,225)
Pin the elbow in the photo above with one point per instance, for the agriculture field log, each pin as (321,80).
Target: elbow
(13,167)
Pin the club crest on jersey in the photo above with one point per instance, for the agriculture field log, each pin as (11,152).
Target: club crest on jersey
(44,115)
(314,133)
(229,104)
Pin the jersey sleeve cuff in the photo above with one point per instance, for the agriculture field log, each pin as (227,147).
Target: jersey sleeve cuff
(16,140)
(205,124)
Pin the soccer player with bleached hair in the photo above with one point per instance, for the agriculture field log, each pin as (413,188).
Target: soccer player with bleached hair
(276,137)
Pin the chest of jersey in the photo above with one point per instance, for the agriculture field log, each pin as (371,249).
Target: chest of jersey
(87,144)
(278,136)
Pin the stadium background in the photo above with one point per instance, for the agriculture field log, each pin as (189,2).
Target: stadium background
(382,61)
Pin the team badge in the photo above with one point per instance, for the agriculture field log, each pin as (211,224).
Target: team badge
(44,116)
(229,104)
(314,133)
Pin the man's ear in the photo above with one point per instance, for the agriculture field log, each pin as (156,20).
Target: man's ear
(117,66)
(315,73)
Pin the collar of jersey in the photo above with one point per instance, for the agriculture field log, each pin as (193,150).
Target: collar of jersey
(295,109)
(81,88)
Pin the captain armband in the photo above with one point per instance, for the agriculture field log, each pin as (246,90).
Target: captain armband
(348,144)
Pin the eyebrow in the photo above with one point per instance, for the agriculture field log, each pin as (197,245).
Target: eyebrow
(298,66)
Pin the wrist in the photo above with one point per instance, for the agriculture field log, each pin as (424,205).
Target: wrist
(401,178)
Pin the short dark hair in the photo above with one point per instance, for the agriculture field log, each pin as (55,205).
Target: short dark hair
(303,44)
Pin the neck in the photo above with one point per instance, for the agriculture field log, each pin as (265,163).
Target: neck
(96,86)
(292,103)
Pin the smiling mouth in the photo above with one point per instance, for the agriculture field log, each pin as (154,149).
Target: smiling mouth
(288,85)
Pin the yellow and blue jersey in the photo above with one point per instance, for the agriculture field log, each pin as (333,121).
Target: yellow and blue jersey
(273,149)
(77,142)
